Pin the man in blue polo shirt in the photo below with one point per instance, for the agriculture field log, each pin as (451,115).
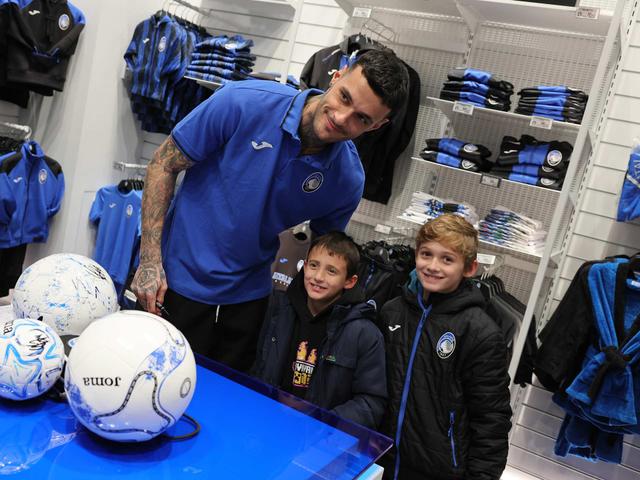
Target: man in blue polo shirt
(260,157)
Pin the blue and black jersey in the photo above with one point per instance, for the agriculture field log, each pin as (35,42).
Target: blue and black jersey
(629,203)
(476,87)
(476,99)
(557,102)
(449,160)
(530,170)
(41,36)
(527,150)
(31,190)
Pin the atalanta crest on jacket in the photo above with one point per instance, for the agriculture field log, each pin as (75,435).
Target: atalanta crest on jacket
(446,345)
(313,182)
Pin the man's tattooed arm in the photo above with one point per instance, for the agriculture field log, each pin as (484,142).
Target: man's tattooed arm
(149,283)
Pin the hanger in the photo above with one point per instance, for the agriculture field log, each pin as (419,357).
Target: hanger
(15,131)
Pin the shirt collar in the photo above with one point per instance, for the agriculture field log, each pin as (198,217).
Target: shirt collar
(292,118)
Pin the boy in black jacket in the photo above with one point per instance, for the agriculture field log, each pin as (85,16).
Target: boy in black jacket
(319,340)
(448,409)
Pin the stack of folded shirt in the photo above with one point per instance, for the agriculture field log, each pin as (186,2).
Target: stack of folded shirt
(424,207)
(530,161)
(477,87)
(222,59)
(557,102)
(512,230)
(457,153)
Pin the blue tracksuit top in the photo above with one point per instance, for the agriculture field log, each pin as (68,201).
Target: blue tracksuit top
(248,184)
(31,190)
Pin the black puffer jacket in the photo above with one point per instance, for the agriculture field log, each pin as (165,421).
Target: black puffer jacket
(457,415)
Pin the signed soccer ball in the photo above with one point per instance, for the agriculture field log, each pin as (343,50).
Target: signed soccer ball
(66,291)
(31,358)
(130,376)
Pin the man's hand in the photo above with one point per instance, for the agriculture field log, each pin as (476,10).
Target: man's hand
(150,284)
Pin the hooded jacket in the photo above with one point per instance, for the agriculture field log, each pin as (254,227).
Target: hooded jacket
(448,409)
(349,378)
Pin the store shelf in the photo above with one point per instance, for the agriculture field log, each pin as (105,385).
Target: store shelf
(205,83)
(263,7)
(537,15)
(503,181)
(435,7)
(446,107)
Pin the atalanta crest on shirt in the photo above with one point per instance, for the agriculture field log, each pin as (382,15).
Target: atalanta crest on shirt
(162,44)
(446,345)
(312,182)
(129,210)
(64,21)
(42,176)
(554,157)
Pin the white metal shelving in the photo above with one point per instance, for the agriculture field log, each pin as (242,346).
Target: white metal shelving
(205,83)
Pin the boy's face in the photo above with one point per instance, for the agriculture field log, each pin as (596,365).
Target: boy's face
(440,269)
(325,276)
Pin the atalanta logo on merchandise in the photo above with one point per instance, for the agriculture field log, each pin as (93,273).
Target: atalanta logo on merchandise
(185,388)
(42,176)
(470,148)
(446,345)
(64,21)
(554,157)
(313,182)
(547,169)
(467,165)
(129,210)
(162,44)
(547,181)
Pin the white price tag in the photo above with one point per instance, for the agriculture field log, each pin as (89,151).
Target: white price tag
(463,108)
(486,259)
(590,13)
(490,181)
(380,228)
(361,12)
(541,122)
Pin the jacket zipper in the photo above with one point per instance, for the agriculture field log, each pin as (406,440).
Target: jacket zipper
(452,421)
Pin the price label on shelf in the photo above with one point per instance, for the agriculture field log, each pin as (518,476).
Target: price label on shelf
(490,181)
(463,108)
(361,12)
(590,13)
(486,259)
(541,122)
(380,228)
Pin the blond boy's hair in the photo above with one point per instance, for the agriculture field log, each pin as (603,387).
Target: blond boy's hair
(454,232)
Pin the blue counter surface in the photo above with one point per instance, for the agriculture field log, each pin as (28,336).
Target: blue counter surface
(249,431)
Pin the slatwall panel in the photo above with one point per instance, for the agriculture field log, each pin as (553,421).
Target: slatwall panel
(594,233)
(9,112)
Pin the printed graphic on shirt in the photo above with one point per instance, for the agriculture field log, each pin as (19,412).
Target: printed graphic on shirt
(42,176)
(281,278)
(304,365)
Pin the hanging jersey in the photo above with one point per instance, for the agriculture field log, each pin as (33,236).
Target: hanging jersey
(629,203)
(118,216)
(290,258)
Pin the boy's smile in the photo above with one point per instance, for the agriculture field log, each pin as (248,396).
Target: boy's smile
(440,269)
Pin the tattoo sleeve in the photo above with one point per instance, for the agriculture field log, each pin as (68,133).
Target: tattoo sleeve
(160,183)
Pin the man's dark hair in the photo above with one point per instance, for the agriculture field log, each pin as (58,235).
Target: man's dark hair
(387,76)
(342,245)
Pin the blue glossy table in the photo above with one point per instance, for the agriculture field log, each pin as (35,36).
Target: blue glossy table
(249,431)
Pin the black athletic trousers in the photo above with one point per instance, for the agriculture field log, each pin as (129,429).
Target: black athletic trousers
(225,333)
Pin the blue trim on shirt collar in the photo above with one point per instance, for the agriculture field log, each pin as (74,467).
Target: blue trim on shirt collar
(291,120)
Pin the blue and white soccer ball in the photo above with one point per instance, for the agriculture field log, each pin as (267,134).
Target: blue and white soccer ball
(31,358)
(66,291)
(130,376)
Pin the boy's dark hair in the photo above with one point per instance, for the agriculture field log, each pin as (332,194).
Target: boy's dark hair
(454,232)
(387,76)
(341,244)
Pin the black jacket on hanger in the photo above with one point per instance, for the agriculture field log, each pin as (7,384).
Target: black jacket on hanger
(380,148)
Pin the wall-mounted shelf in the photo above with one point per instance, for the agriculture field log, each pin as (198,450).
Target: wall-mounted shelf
(488,114)
(503,181)
(435,7)
(538,15)
(277,7)
(205,83)
(132,166)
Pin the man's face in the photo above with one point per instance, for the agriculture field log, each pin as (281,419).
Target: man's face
(348,109)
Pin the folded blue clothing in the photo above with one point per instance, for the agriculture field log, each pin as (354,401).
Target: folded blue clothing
(529,151)
(467,150)
(209,77)
(476,99)
(476,87)
(531,170)
(244,60)
(220,64)
(481,76)
(560,90)
(234,45)
(552,102)
(449,160)
(560,117)
(230,74)
(530,180)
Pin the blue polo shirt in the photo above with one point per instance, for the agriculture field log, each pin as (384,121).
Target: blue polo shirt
(248,184)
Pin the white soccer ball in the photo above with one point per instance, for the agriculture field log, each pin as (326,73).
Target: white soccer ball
(66,291)
(31,358)
(130,376)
